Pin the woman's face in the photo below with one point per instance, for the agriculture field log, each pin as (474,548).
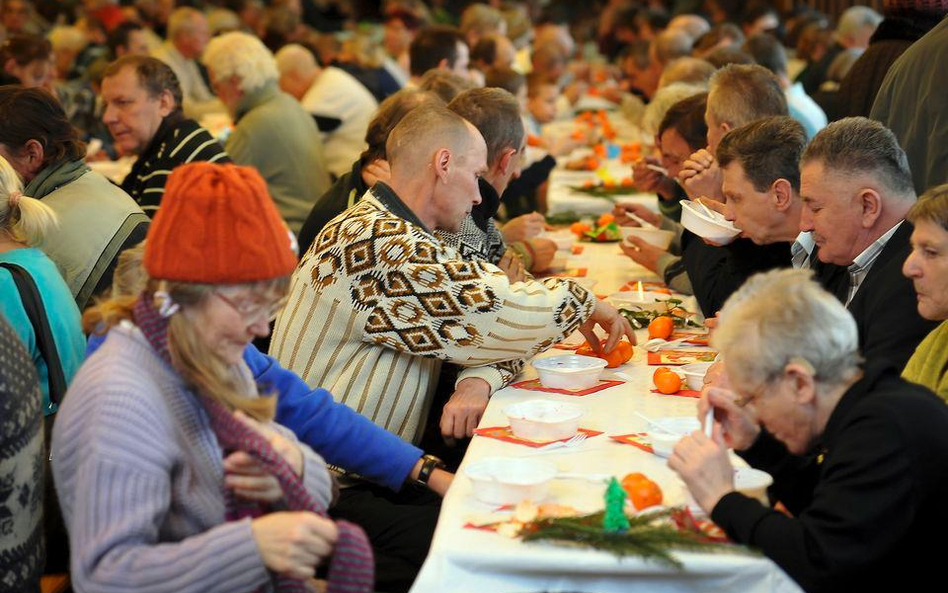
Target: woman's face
(232,316)
(927,266)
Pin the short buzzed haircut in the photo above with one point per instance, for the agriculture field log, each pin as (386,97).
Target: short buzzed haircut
(390,112)
(445,83)
(422,130)
(768,52)
(496,115)
(688,70)
(861,145)
(723,56)
(767,149)
(153,75)
(431,45)
(741,93)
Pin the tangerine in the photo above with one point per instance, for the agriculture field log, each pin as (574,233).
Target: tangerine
(659,371)
(668,383)
(605,219)
(579,228)
(626,349)
(644,493)
(661,327)
(630,479)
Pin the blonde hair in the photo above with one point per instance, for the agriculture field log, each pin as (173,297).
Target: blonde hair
(25,219)
(200,368)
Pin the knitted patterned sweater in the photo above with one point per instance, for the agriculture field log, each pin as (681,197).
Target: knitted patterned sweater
(140,476)
(377,303)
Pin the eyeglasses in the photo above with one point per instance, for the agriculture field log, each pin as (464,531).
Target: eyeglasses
(759,390)
(252,312)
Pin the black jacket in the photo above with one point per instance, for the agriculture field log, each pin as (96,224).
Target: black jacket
(869,502)
(885,306)
(346,191)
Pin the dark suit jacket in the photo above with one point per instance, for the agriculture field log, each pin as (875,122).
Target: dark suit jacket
(885,306)
(868,501)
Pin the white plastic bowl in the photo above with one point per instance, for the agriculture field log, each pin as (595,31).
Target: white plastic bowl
(664,443)
(506,480)
(544,420)
(657,237)
(715,228)
(629,298)
(753,483)
(569,371)
(564,239)
(694,374)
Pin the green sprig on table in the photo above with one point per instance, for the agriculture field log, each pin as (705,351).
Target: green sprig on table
(604,191)
(640,318)
(649,535)
(603,234)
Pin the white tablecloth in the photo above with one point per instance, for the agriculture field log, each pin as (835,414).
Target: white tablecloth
(471,561)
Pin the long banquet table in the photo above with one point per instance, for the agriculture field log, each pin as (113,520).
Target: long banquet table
(465,560)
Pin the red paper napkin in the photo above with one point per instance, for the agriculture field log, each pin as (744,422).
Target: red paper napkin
(680,356)
(535,385)
(636,439)
(503,433)
(698,339)
(681,393)
(649,286)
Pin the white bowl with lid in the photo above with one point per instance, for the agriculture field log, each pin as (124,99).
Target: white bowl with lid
(713,227)
(508,480)
(544,420)
(657,237)
(694,374)
(569,371)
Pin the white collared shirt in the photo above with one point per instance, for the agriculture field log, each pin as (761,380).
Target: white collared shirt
(801,251)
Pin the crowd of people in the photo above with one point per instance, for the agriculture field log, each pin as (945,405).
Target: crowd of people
(366,182)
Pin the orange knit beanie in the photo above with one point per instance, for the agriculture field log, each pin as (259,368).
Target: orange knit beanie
(217,225)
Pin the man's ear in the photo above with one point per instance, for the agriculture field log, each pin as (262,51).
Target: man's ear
(442,164)
(506,161)
(871,205)
(783,194)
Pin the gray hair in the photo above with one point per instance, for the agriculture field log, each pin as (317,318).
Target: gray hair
(855,18)
(741,93)
(244,56)
(861,145)
(663,100)
(784,316)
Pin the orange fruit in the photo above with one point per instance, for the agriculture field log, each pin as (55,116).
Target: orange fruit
(585,350)
(661,327)
(578,135)
(668,382)
(659,371)
(613,358)
(610,183)
(626,349)
(600,150)
(629,479)
(592,164)
(578,228)
(626,182)
(644,493)
(605,219)
(589,184)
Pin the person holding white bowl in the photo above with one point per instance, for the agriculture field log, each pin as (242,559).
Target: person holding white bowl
(856,452)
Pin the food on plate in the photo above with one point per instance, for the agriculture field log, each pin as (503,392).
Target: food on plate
(661,327)
(603,234)
(620,355)
(642,492)
(668,382)
(605,219)
(579,228)
(589,163)
(641,318)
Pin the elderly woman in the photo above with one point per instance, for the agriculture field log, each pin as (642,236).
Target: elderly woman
(857,454)
(927,266)
(96,218)
(179,458)
(272,133)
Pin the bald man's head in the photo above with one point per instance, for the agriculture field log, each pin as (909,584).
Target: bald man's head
(435,148)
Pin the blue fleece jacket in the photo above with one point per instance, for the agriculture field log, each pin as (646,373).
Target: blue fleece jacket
(342,436)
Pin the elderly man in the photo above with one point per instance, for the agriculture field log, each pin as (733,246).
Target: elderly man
(329,93)
(737,94)
(857,453)
(392,301)
(496,115)
(142,102)
(856,188)
(187,37)
(273,133)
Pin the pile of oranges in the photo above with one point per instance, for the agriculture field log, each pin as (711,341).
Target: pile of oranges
(620,355)
(666,380)
(642,492)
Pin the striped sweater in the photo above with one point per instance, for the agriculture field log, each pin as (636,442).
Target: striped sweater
(178,141)
(140,474)
(377,303)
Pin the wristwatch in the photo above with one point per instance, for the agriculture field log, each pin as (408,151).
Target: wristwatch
(429,464)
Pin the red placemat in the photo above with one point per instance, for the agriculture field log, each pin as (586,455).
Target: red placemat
(535,385)
(680,393)
(680,356)
(649,286)
(502,433)
(636,439)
